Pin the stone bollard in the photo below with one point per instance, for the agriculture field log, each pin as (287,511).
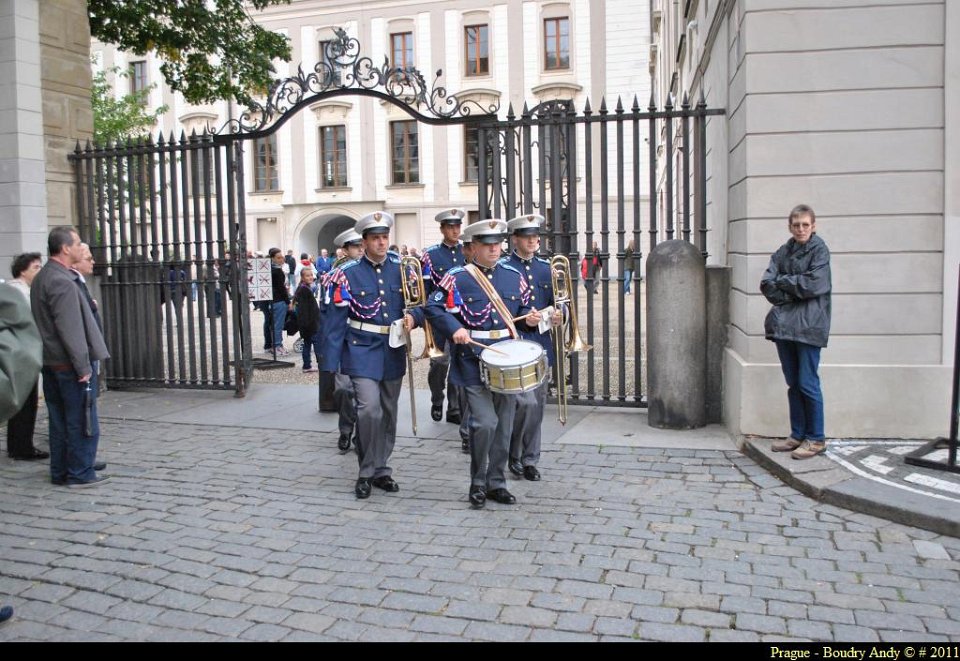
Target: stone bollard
(676,336)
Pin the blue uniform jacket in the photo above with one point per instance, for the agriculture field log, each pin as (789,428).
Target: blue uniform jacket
(436,262)
(536,271)
(473,310)
(371,294)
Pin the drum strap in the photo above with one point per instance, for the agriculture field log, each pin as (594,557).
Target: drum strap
(495,299)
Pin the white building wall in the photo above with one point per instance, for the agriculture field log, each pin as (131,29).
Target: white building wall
(842,107)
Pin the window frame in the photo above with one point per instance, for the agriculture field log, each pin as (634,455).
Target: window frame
(555,63)
(344,173)
(139,80)
(403,65)
(411,175)
(484,32)
(271,170)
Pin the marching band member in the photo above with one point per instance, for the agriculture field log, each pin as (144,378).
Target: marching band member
(350,244)
(525,440)
(437,260)
(357,343)
(475,305)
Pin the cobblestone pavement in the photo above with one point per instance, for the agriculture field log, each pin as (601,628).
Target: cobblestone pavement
(218,533)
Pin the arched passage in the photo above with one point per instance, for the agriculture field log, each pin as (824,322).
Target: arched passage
(320,231)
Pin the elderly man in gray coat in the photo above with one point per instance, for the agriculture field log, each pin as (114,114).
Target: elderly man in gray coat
(72,341)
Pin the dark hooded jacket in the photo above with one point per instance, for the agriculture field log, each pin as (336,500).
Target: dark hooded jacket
(797,283)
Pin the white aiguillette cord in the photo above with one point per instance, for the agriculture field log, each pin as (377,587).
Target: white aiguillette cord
(494,297)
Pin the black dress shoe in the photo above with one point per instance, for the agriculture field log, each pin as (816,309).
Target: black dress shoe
(515,467)
(100,466)
(464,446)
(531,473)
(502,496)
(386,483)
(436,412)
(343,443)
(31,455)
(363,488)
(454,418)
(478,497)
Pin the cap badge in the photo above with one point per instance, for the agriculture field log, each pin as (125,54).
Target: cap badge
(492,224)
(377,215)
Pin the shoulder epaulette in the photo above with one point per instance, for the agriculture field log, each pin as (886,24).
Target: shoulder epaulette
(509,267)
(393,257)
(541,259)
(455,270)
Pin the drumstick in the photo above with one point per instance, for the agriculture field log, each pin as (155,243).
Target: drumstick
(486,346)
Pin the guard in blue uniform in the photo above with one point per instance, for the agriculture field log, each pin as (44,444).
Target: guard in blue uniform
(436,263)
(462,311)
(357,342)
(332,296)
(525,440)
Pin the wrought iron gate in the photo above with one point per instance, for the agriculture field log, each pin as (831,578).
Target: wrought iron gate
(164,223)
(166,218)
(587,174)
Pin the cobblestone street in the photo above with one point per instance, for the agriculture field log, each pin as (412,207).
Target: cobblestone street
(219,533)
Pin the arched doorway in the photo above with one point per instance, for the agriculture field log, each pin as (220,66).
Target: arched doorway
(320,231)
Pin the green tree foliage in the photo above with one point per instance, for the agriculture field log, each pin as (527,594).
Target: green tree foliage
(124,118)
(211,49)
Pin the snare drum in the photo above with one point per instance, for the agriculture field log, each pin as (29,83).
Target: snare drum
(520,366)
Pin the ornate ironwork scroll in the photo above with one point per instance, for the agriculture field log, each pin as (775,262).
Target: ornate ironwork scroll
(342,70)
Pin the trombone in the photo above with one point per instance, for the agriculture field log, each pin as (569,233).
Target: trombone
(566,337)
(414,295)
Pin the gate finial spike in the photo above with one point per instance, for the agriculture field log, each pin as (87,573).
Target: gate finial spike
(183,136)
(702,103)
(526,110)
(76,149)
(510,114)
(586,107)
(603,105)
(653,103)
(89,146)
(160,141)
(685,104)
(619,105)
(636,104)
(669,105)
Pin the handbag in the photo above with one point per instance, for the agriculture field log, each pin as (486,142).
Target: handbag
(290,324)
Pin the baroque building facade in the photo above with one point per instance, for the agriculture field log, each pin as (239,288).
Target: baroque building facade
(349,155)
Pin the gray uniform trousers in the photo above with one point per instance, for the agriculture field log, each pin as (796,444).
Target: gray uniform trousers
(376,423)
(491,424)
(525,440)
(437,377)
(464,413)
(343,399)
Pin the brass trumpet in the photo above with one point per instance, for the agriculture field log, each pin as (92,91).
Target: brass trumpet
(414,295)
(566,337)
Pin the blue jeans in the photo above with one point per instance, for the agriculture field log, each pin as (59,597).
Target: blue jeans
(279,318)
(72,453)
(627,278)
(800,362)
(308,343)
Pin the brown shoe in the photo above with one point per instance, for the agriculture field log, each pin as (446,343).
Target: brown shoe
(809,449)
(789,444)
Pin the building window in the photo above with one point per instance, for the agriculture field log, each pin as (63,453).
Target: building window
(265,164)
(405,155)
(333,156)
(138,76)
(471,151)
(556,43)
(333,75)
(401,45)
(476,40)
